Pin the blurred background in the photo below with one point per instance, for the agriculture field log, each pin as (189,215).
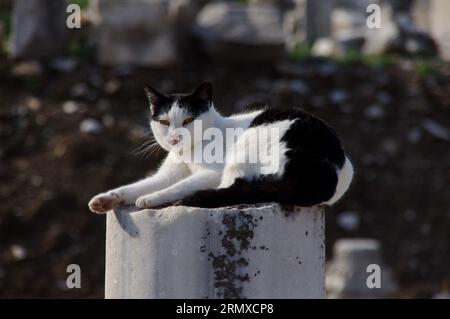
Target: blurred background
(73,112)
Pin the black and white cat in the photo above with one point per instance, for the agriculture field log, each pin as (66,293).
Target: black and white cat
(311,169)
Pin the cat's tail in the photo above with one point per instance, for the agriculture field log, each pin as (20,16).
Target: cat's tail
(244,192)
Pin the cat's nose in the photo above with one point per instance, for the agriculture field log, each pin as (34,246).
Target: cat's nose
(175,139)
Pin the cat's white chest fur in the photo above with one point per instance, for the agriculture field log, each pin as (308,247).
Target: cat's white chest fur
(195,168)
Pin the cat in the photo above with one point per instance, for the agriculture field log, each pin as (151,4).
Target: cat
(312,169)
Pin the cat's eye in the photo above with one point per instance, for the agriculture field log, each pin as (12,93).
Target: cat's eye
(164,122)
(188,120)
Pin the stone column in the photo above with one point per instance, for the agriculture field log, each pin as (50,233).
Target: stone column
(308,21)
(236,252)
(355,263)
(318,19)
(134,32)
(38,29)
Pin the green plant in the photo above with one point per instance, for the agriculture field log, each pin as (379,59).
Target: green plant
(82,3)
(374,61)
(424,68)
(380,61)
(351,57)
(300,53)
(82,49)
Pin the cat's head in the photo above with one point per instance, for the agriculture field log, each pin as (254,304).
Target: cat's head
(174,114)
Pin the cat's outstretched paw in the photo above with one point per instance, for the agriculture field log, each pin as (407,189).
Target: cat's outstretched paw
(102,203)
(141,202)
(155,200)
(148,201)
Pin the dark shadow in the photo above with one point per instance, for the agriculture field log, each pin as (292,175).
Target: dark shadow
(125,221)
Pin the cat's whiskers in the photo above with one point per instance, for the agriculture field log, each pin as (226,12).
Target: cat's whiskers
(150,150)
(147,149)
(144,144)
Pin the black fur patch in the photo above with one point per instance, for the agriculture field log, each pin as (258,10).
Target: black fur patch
(253,192)
(195,103)
(308,133)
(309,178)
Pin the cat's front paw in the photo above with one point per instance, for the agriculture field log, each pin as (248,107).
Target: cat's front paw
(141,202)
(151,201)
(147,201)
(104,202)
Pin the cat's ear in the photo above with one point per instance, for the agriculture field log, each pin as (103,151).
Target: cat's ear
(154,97)
(204,92)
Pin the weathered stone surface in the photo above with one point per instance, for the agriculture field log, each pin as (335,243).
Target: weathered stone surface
(355,5)
(348,22)
(233,31)
(400,33)
(235,252)
(307,21)
(347,273)
(318,19)
(134,32)
(38,29)
(440,27)
(295,25)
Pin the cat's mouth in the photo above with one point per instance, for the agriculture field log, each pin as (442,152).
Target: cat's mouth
(179,146)
(183,149)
